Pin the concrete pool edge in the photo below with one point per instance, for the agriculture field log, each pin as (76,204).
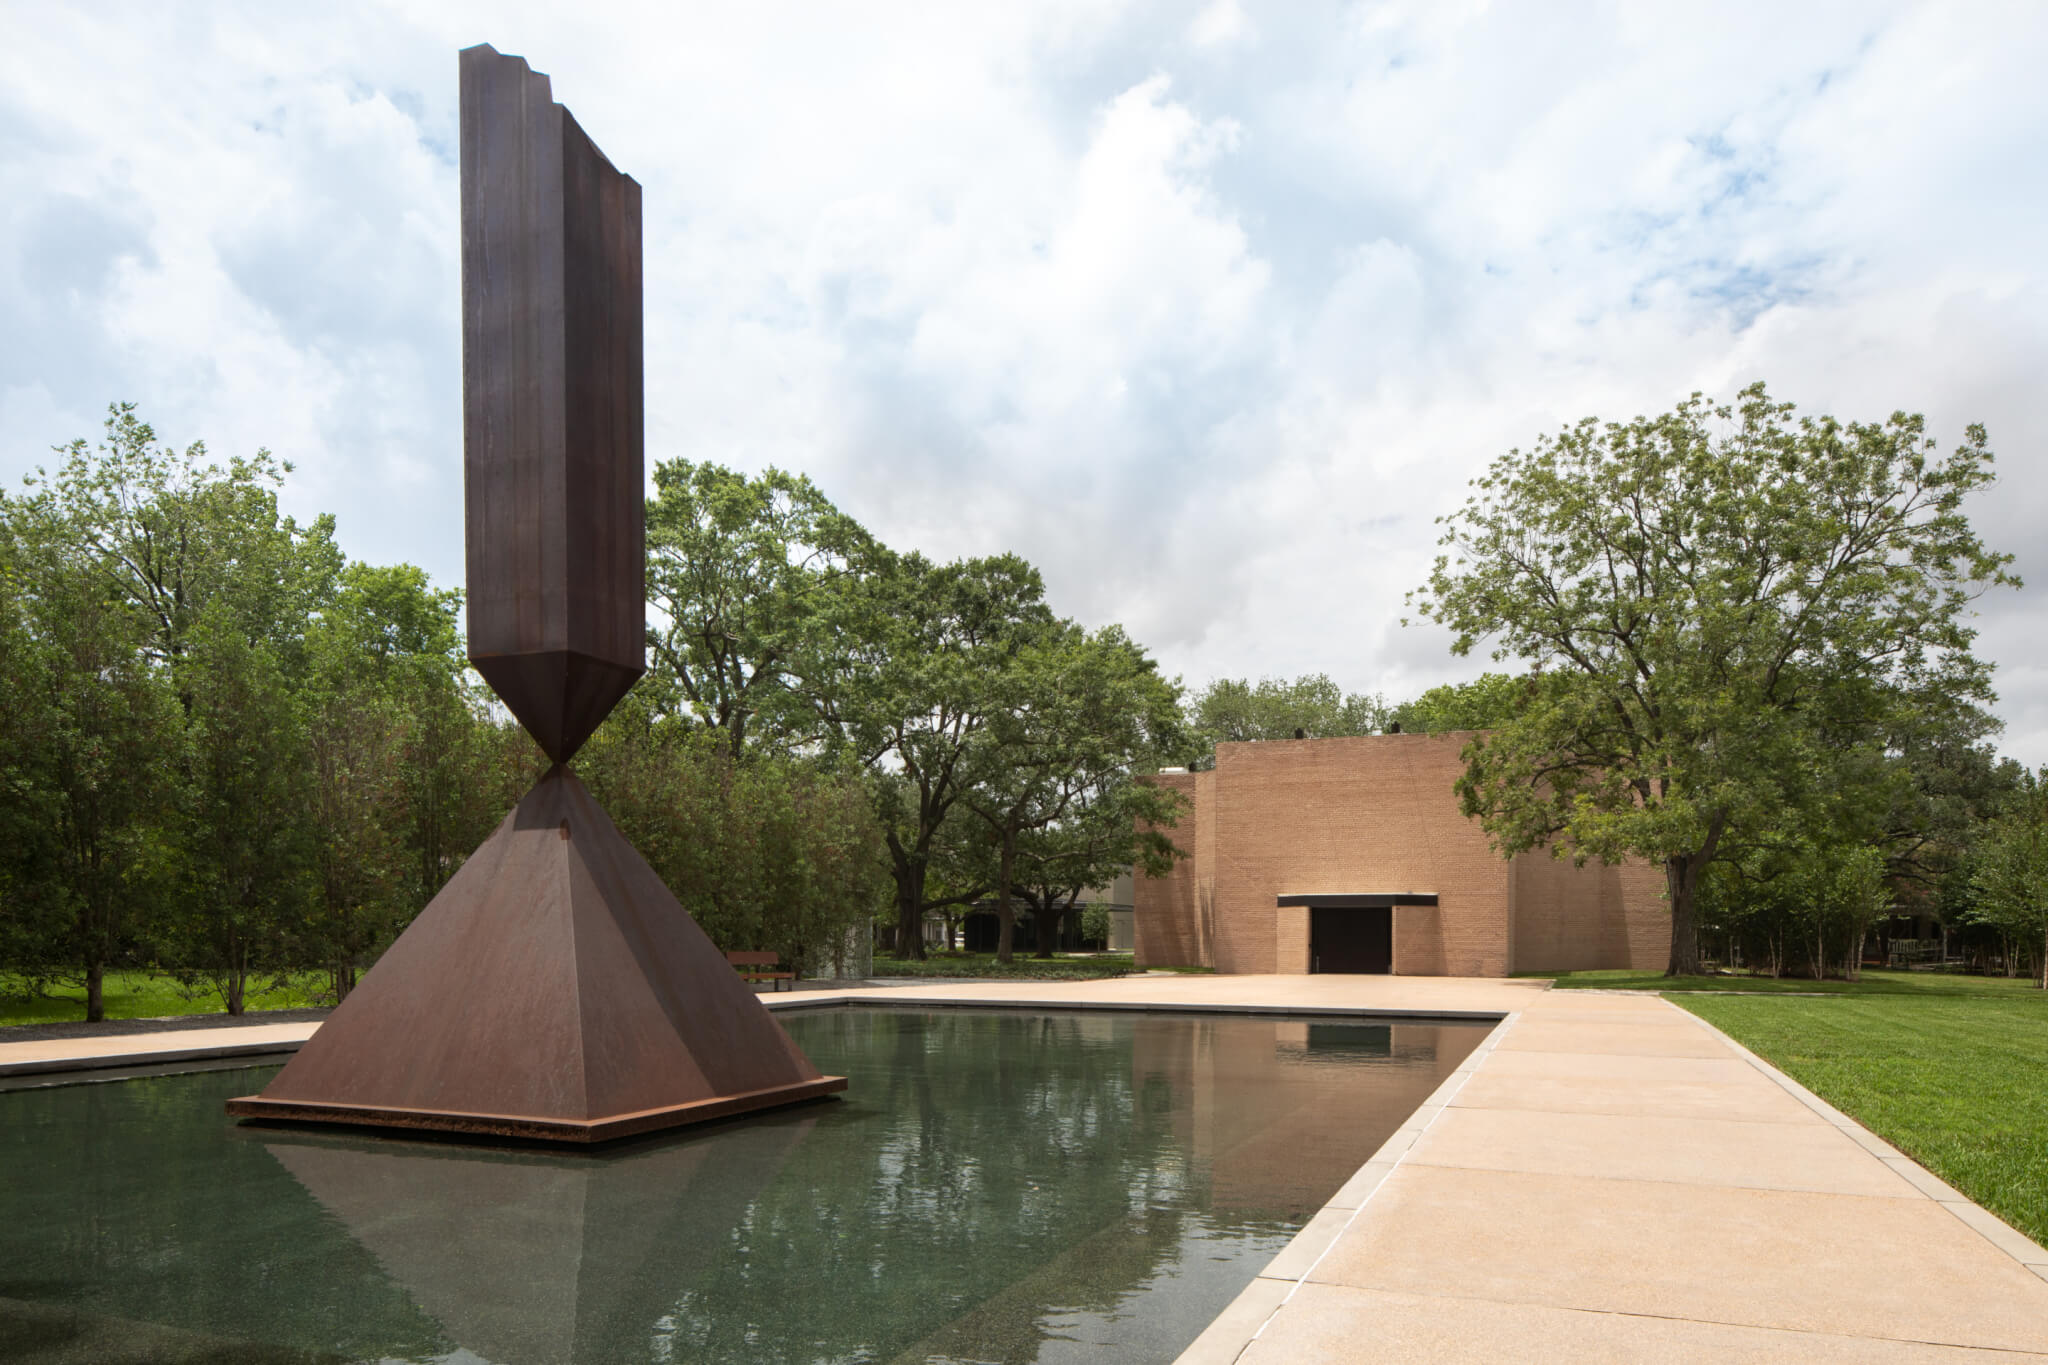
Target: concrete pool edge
(55,1058)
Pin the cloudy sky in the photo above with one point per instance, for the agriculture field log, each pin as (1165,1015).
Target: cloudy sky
(1208,309)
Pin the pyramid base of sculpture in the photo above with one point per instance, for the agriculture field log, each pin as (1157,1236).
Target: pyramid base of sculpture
(554,990)
(536,1129)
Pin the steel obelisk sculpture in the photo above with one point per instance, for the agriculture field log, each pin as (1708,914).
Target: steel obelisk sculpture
(555,989)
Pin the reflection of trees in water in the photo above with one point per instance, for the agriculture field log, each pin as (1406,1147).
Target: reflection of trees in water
(966,1182)
(135,1202)
(1056,1162)
(1051,1166)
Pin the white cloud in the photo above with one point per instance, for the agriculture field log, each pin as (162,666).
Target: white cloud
(1210,319)
(1220,24)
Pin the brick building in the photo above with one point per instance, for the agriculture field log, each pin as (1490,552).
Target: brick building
(1352,855)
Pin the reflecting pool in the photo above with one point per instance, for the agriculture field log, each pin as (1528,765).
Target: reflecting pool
(994,1186)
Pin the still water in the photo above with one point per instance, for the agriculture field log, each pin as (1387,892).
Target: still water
(994,1186)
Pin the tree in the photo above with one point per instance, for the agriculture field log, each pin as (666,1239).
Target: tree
(88,731)
(174,534)
(384,664)
(1949,782)
(1309,707)
(248,850)
(910,690)
(742,572)
(764,851)
(2009,873)
(1487,701)
(1698,587)
(1073,713)
(960,871)
(1117,826)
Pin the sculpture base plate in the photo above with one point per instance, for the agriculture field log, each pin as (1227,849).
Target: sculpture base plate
(579,1132)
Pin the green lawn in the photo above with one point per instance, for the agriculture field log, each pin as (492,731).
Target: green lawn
(1876,981)
(144,995)
(1022,967)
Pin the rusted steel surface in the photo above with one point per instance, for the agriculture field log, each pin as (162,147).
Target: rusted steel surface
(554,989)
(553,457)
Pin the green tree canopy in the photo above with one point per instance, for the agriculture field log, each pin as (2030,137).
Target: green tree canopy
(1308,707)
(89,737)
(392,725)
(910,693)
(2009,872)
(1490,699)
(1711,590)
(175,534)
(1075,715)
(744,577)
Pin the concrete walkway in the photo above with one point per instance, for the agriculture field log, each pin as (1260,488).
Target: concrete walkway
(148,1049)
(1606,1179)
(1610,1179)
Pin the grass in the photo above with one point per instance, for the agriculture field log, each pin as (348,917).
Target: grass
(145,995)
(1957,1080)
(1876,981)
(1023,967)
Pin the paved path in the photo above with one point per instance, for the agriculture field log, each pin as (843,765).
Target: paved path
(145,1049)
(1610,1179)
(1606,1179)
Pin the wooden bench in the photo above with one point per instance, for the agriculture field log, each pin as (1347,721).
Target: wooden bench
(760,967)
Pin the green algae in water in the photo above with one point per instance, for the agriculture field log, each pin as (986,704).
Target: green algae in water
(995,1186)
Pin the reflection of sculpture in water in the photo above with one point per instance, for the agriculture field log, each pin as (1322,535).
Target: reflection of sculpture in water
(554,988)
(534,1259)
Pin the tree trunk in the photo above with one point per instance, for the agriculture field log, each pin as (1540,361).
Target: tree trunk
(1048,921)
(1681,882)
(2044,960)
(95,993)
(909,907)
(1005,917)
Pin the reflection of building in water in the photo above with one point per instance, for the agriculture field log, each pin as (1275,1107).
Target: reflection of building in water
(1291,1133)
(532,1259)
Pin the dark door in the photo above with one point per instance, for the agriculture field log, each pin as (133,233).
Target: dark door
(1351,940)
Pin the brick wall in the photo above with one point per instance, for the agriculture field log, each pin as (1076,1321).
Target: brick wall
(1365,813)
(1378,813)
(1166,914)
(1585,918)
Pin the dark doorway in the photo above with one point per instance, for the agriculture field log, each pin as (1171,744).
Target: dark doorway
(1359,939)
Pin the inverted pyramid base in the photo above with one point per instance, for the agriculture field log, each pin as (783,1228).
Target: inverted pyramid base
(554,990)
(605,1129)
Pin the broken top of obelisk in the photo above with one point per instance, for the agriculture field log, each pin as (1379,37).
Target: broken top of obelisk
(553,461)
